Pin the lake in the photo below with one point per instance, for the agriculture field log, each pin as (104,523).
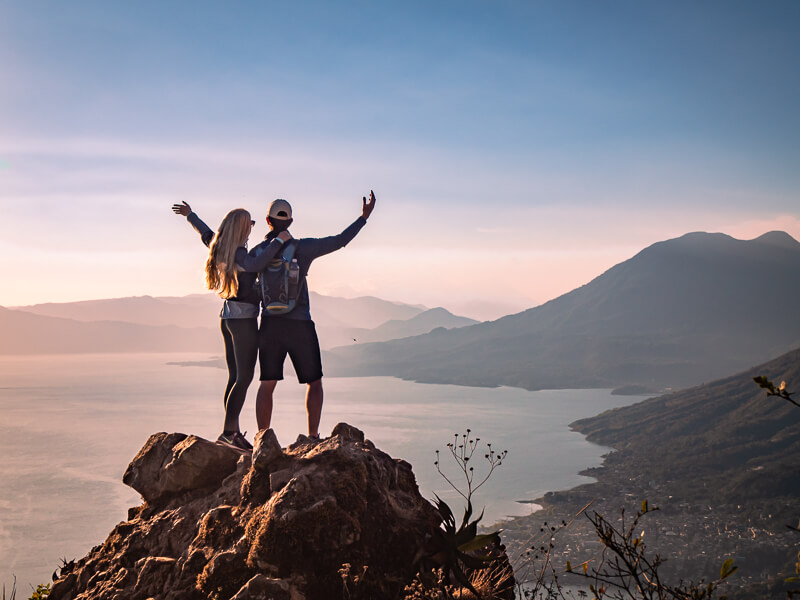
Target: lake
(71,424)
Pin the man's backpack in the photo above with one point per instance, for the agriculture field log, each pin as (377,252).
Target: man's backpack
(280,282)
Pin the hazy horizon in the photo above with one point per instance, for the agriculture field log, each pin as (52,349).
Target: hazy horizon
(481,310)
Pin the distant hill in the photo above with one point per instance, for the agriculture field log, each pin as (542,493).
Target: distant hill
(341,320)
(726,439)
(26,333)
(202,310)
(678,313)
(365,312)
(422,322)
(719,460)
(161,324)
(196,310)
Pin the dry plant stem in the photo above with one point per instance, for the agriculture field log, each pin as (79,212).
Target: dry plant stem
(633,567)
(624,571)
(780,391)
(13,590)
(786,396)
(631,572)
(547,568)
(462,453)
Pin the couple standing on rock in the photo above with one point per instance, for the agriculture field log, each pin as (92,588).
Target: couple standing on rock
(273,276)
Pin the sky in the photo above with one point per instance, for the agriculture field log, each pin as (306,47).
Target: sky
(517,149)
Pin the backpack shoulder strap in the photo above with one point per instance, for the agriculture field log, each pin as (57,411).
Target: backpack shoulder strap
(289,250)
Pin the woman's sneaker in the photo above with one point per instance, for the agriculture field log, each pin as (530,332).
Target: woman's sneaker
(234,440)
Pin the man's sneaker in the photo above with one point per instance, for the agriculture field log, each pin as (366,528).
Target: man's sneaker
(243,440)
(235,441)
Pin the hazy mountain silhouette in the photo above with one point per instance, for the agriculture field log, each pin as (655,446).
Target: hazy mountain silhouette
(678,313)
(196,310)
(191,323)
(422,322)
(365,312)
(344,321)
(26,333)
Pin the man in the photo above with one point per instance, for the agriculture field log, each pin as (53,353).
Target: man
(293,332)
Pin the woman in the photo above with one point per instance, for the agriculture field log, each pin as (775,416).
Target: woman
(231,271)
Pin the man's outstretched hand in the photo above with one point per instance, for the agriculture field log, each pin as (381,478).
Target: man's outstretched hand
(182,209)
(367,205)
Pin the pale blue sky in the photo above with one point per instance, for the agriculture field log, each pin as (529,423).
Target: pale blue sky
(541,141)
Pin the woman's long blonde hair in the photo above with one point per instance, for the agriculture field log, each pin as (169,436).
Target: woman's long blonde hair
(221,274)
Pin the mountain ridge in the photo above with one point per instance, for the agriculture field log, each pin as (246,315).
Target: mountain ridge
(427,320)
(28,333)
(719,460)
(188,323)
(678,312)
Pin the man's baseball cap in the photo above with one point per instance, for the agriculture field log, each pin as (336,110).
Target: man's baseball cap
(280,209)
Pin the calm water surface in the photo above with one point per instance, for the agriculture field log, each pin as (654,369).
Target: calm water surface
(71,424)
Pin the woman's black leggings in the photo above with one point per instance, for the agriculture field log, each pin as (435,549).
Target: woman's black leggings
(241,352)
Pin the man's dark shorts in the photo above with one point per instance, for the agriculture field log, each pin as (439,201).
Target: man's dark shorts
(278,337)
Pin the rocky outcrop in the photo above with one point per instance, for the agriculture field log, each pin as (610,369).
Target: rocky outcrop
(282,523)
(169,464)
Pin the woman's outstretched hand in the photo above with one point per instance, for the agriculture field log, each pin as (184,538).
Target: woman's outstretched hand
(367,206)
(182,209)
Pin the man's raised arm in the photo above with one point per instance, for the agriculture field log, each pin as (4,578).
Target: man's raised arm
(315,247)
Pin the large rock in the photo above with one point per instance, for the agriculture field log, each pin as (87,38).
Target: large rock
(266,449)
(215,526)
(346,502)
(169,464)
